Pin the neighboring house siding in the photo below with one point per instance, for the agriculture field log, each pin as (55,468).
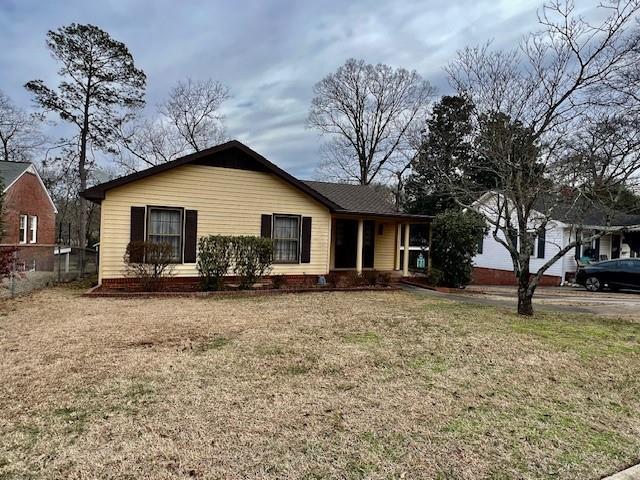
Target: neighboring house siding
(495,256)
(27,197)
(229,201)
(385,246)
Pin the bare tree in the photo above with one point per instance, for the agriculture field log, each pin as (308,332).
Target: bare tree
(194,109)
(188,121)
(20,133)
(367,110)
(144,143)
(528,102)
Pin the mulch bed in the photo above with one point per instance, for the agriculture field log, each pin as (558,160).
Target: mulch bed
(99,291)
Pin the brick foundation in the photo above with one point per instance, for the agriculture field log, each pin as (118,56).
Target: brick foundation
(193,283)
(492,276)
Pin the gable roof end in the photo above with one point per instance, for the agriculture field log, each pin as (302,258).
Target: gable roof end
(97,193)
(10,173)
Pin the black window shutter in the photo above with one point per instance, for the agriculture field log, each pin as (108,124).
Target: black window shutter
(137,232)
(190,235)
(597,249)
(542,240)
(480,244)
(265,226)
(305,253)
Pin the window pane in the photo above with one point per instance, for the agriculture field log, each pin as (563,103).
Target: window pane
(33,228)
(164,222)
(165,226)
(286,235)
(286,227)
(23,229)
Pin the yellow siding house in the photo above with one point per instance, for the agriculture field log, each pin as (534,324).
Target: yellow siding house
(229,189)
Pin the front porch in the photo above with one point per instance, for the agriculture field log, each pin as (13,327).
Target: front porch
(360,243)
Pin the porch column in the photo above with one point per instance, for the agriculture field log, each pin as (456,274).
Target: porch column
(405,259)
(359,245)
(396,265)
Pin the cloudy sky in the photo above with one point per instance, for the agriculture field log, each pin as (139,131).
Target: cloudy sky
(270,53)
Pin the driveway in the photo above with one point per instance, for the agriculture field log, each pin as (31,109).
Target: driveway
(620,304)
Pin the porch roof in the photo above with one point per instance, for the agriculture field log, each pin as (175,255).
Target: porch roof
(361,200)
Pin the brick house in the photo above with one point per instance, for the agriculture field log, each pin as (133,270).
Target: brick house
(29,216)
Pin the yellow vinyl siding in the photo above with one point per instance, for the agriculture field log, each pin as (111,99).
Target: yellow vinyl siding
(385,244)
(229,202)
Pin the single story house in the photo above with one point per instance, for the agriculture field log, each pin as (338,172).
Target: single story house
(229,189)
(493,266)
(29,216)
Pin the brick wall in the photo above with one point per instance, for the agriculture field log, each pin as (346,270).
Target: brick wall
(193,283)
(492,276)
(28,197)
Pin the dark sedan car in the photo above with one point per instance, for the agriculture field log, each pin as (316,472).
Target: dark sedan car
(614,274)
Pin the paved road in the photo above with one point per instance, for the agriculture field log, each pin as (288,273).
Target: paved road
(621,304)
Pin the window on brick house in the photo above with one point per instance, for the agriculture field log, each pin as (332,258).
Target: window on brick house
(23,229)
(33,229)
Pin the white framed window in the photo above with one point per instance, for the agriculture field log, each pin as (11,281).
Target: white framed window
(286,239)
(164,225)
(33,229)
(23,228)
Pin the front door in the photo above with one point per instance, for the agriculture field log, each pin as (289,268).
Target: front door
(346,243)
(368,243)
(615,246)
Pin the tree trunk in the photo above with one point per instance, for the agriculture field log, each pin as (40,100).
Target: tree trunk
(525,294)
(525,305)
(82,170)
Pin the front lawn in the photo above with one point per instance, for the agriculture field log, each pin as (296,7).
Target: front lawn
(342,385)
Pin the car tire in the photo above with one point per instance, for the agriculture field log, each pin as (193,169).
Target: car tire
(593,284)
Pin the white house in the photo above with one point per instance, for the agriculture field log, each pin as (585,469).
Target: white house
(493,265)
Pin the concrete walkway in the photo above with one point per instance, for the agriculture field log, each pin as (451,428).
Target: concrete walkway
(632,473)
(619,305)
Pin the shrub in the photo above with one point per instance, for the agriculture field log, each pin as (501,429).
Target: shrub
(150,263)
(455,243)
(354,279)
(434,277)
(252,258)
(278,281)
(384,279)
(370,277)
(215,255)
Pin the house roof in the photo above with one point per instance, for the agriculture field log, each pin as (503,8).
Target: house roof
(339,198)
(11,171)
(583,213)
(355,198)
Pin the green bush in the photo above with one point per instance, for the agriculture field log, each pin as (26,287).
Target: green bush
(455,243)
(215,256)
(434,277)
(249,257)
(252,258)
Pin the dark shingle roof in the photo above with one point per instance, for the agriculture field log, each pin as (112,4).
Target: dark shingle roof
(355,198)
(9,171)
(582,212)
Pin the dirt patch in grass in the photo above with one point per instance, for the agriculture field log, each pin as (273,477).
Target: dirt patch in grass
(332,385)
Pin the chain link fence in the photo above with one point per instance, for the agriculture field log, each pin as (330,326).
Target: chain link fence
(33,268)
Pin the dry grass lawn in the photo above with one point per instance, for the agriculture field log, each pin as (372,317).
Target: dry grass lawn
(332,385)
